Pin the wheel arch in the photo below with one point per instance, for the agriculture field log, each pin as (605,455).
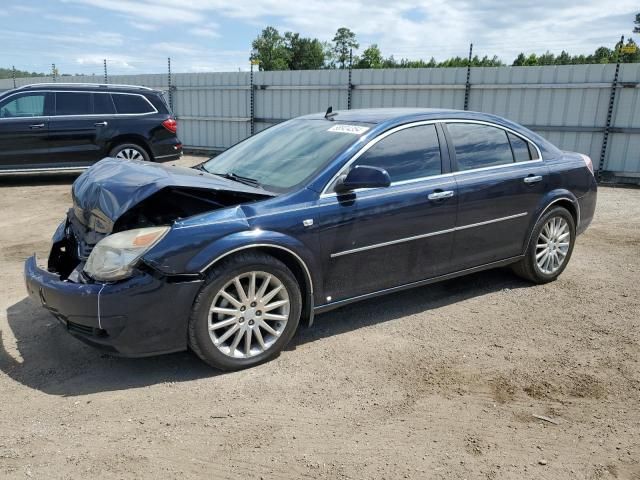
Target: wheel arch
(558,198)
(291,259)
(130,138)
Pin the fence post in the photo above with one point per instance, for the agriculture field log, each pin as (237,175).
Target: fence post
(13,75)
(612,101)
(467,85)
(252,93)
(105,71)
(169,84)
(350,85)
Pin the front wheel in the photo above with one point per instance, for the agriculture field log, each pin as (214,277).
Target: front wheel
(246,313)
(550,247)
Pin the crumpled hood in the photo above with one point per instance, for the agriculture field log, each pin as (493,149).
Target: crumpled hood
(111,187)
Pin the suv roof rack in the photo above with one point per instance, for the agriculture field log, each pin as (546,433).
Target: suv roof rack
(78,84)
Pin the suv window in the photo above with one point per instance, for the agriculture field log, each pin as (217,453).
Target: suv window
(73,103)
(479,146)
(413,152)
(22,106)
(126,103)
(102,104)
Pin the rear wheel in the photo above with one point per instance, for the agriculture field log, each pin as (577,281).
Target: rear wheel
(246,313)
(550,247)
(129,151)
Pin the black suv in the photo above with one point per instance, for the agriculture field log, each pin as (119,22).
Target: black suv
(56,126)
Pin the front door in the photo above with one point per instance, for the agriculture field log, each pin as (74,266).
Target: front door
(374,239)
(24,130)
(501,180)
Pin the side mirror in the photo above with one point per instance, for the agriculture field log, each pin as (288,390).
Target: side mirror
(363,176)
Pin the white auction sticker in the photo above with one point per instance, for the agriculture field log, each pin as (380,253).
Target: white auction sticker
(354,129)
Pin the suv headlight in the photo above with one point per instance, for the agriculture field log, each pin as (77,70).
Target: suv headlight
(114,256)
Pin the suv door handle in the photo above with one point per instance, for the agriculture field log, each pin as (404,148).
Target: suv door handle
(532,179)
(440,195)
(100,124)
(36,125)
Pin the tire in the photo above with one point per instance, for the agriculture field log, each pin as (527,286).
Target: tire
(215,346)
(530,267)
(129,151)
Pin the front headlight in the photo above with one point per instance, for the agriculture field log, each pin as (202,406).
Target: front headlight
(114,256)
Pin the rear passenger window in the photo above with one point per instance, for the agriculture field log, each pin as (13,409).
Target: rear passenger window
(410,153)
(131,103)
(479,146)
(73,103)
(102,104)
(521,148)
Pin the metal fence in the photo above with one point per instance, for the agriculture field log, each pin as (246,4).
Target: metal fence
(574,106)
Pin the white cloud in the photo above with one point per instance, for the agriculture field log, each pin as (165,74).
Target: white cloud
(210,31)
(145,27)
(118,61)
(67,19)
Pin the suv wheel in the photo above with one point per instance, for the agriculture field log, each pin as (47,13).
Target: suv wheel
(550,247)
(246,313)
(129,151)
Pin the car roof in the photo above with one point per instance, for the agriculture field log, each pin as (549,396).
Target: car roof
(93,87)
(384,115)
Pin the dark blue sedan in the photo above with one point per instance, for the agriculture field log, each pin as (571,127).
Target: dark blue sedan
(314,213)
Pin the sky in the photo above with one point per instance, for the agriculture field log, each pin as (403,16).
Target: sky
(215,35)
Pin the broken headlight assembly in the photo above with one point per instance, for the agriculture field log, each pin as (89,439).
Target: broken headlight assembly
(114,257)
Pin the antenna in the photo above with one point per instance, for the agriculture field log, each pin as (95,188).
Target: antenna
(330,114)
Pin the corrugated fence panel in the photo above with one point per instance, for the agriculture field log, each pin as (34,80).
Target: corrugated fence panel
(566,104)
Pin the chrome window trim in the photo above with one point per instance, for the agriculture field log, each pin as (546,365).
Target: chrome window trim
(426,235)
(153,112)
(373,141)
(258,245)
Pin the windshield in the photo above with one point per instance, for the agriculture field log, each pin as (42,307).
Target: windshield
(288,154)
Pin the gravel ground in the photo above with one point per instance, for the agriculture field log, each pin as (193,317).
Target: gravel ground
(437,382)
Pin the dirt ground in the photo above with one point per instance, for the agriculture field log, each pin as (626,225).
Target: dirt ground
(438,382)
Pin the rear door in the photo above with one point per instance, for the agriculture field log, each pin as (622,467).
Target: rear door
(24,129)
(501,180)
(380,238)
(79,130)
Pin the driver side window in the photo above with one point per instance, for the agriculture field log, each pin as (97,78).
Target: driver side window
(408,154)
(24,106)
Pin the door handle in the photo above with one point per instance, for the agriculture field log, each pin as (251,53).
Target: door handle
(440,195)
(532,179)
(100,124)
(36,125)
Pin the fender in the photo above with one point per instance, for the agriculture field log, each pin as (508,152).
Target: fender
(257,238)
(550,199)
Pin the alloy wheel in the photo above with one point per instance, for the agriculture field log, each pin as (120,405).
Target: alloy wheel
(129,154)
(248,314)
(553,245)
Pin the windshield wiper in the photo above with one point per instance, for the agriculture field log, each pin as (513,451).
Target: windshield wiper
(252,182)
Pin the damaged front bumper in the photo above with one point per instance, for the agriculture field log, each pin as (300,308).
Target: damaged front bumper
(140,316)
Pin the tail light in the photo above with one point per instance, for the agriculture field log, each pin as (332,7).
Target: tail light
(171,125)
(588,163)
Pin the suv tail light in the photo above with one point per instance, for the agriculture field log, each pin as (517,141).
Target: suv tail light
(588,163)
(171,125)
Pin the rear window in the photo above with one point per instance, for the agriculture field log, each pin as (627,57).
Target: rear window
(128,104)
(523,151)
(73,103)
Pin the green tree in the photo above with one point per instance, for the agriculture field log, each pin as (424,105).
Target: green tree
(343,41)
(304,53)
(371,58)
(271,50)
(8,73)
